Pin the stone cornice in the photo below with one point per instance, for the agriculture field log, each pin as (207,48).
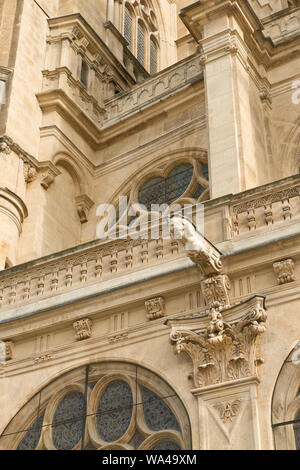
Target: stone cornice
(260,43)
(63,24)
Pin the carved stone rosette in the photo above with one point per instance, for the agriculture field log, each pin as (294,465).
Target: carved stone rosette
(285,271)
(83,329)
(155,308)
(222,351)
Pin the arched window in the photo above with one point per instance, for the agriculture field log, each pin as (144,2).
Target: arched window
(128,24)
(286,404)
(102,406)
(153,57)
(84,73)
(141,43)
(140,29)
(181,180)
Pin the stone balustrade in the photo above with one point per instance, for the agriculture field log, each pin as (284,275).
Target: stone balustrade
(273,207)
(85,266)
(164,83)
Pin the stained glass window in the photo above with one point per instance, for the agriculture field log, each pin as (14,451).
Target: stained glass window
(67,425)
(114,411)
(158,415)
(32,437)
(165,191)
(166,445)
(104,413)
(84,73)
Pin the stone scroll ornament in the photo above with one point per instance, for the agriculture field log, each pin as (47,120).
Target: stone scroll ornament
(222,351)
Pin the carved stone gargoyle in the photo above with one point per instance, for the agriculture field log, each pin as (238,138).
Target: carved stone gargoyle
(221,350)
(198,248)
(215,286)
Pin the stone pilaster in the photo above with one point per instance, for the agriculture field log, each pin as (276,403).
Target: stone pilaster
(234,69)
(225,356)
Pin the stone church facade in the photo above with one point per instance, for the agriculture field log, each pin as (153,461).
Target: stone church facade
(150,343)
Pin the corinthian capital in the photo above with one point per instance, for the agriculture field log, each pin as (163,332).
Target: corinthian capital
(221,350)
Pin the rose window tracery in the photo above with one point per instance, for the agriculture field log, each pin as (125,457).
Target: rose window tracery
(122,409)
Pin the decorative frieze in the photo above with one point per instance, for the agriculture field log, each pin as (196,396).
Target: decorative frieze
(155,308)
(223,351)
(83,329)
(285,271)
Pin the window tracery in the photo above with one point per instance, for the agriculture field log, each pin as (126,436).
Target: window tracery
(183,179)
(98,407)
(140,29)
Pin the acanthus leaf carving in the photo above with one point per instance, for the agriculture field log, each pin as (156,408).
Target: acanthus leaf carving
(223,351)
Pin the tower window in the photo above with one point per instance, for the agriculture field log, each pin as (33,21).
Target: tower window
(153,57)
(128,27)
(141,44)
(84,74)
